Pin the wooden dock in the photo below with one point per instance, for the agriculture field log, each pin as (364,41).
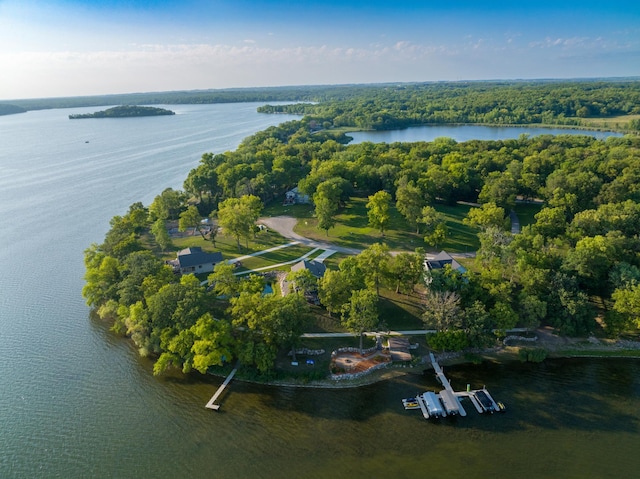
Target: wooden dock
(448,400)
(448,397)
(211,404)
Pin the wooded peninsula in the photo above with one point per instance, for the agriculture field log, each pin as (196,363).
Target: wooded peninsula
(124,111)
(574,265)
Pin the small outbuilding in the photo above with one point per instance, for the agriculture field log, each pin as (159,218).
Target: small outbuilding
(194,260)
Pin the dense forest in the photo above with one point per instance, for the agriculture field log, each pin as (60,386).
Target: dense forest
(9,109)
(231,95)
(576,267)
(124,111)
(561,103)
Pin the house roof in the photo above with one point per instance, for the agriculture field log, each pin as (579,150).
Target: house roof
(194,256)
(442,259)
(317,269)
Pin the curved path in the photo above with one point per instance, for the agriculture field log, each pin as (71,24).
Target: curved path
(285,224)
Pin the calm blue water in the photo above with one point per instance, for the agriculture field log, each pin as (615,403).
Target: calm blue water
(78,402)
(462,133)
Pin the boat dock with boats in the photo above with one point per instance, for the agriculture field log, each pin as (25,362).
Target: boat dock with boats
(447,401)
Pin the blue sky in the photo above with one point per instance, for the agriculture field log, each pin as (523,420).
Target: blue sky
(71,47)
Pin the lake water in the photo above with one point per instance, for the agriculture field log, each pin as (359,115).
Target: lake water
(77,401)
(462,133)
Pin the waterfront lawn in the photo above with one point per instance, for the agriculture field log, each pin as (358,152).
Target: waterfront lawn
(400,312)
(227,244)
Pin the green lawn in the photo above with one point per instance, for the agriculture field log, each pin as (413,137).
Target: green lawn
(399,311)
(228,245)
(526,212)
(352,229)
(275,257)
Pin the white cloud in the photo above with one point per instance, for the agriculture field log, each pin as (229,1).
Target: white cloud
(154,66)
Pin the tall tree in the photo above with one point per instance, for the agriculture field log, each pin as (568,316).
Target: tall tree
(161,235)
(486,216)
(327,201)
(374,262)
(166,205)
(378,210)
(361,313)
(442,310)
(190,218)
(333,290)
(435,230)
(409,202)
(406,270)
(238,216)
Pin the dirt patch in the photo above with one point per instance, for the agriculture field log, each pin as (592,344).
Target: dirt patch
(348,362)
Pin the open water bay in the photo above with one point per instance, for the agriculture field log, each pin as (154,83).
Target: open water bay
(77,401)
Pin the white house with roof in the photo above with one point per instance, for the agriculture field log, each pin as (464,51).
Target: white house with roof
(194,260)
(442,259)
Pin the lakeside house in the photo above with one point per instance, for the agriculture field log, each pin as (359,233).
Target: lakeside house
(441,260)
(294,196)
(194,260)
(315,267)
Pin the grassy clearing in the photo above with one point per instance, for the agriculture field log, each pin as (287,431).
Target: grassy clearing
(273,258)
(462,238)
(353,231)
(526,212)
(399,311)
(612,122)
(228,245)
(276,208)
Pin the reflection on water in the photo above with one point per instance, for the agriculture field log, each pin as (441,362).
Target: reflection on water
(462,133)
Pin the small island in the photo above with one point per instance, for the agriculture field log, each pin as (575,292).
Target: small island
(124,111)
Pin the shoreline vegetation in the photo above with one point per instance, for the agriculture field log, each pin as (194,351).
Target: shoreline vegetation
(572,348)
(567,261)
(124,111)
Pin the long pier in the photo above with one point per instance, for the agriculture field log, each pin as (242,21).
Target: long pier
(211,404)
(448,397)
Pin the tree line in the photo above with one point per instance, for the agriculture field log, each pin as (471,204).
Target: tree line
(502,103)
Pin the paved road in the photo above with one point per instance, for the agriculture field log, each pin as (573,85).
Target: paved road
(515,223)
(285,224)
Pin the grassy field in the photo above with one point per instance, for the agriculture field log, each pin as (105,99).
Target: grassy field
(526,212)
(400,311)
(612,122)
(353,231)
(228,245)
(273,258)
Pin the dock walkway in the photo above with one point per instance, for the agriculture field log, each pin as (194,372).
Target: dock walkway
(211,404)
(448,397)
